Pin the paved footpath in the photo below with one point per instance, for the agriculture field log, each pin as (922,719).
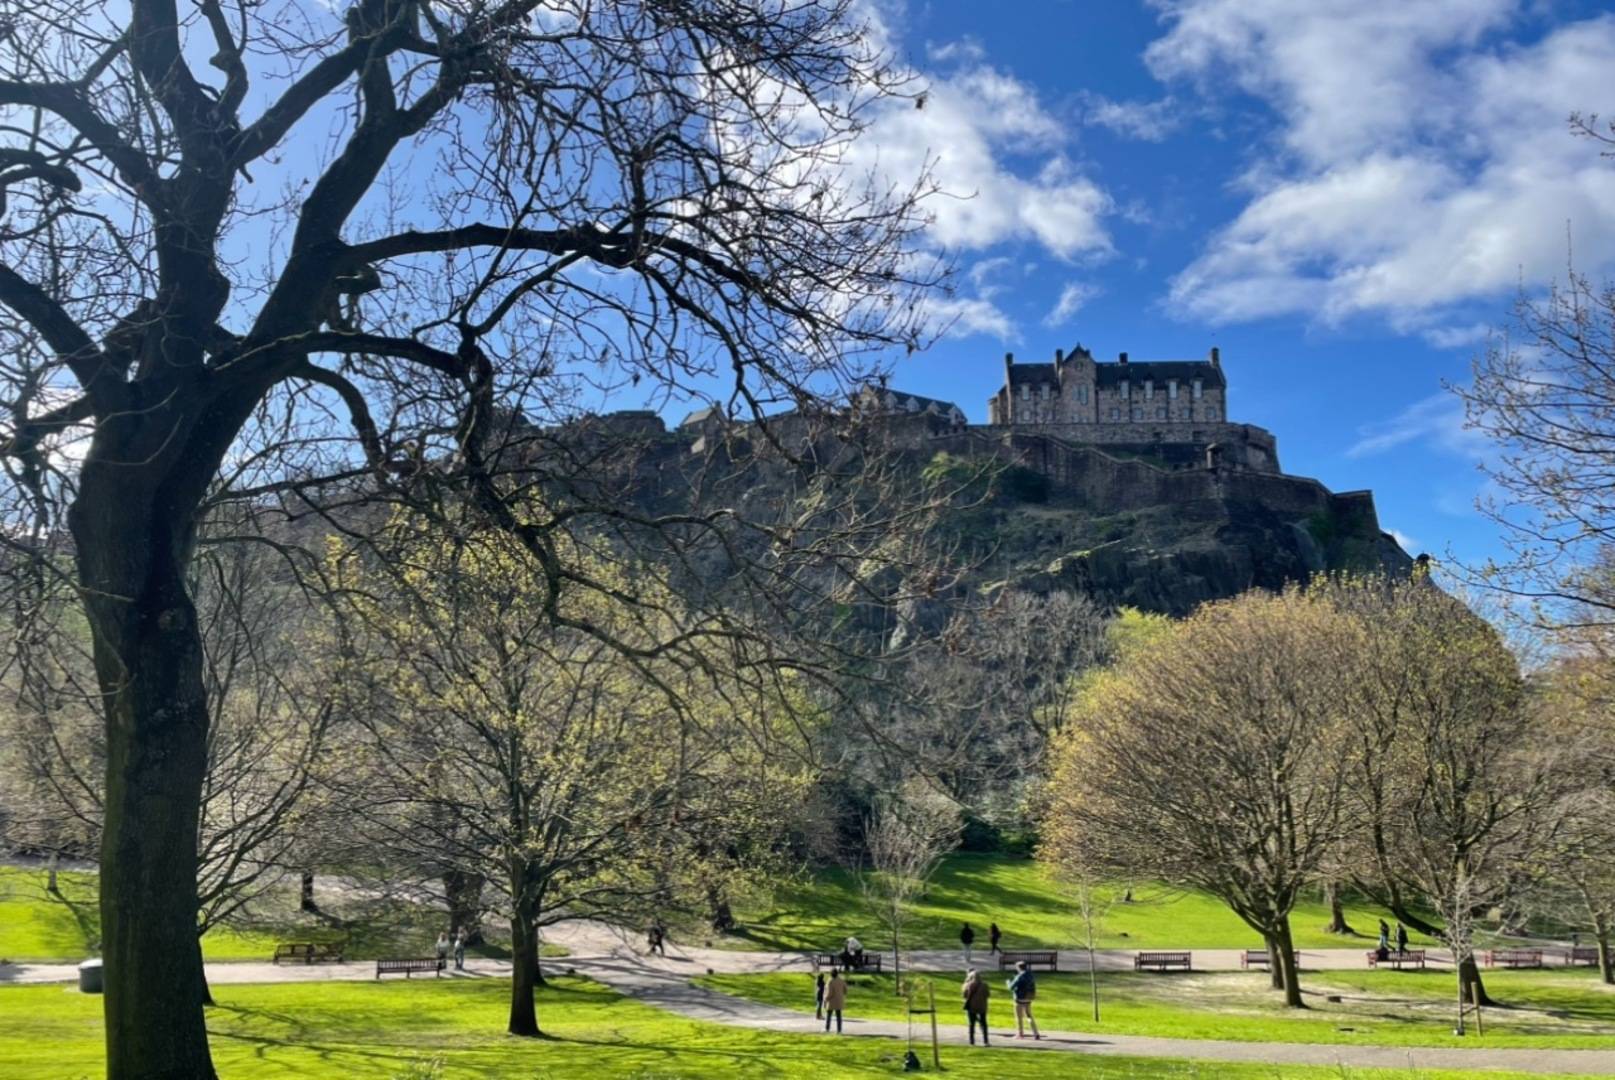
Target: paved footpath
(603,954)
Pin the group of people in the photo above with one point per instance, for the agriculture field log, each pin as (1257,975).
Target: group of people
(444,944)
(1383,950)
(830,1001)
(967,938)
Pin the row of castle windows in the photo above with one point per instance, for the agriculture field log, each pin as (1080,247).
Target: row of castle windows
(1137,412)
(1080,393)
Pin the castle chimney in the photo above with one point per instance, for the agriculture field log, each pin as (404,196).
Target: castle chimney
(1009,358)
(1122,359)
(1059,356)
(1216,357)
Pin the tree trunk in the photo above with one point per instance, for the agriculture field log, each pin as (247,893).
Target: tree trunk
(305,901)
(464,893)
(205,992)
(1337,911)
(1606,962)
(1275,971)
(148,658)
(1286,965)
(1473,987)
(524,975)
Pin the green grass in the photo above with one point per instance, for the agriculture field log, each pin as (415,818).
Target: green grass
(39,926)
(1545,1008)
(1030,908)
(369,1031)
(36,925)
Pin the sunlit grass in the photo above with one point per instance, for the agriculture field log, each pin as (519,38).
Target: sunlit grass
(368,1031)
(1541,1008)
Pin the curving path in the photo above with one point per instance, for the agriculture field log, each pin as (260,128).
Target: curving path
(604,954)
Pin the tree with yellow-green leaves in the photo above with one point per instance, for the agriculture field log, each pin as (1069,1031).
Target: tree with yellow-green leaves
(1211,755)
(576,778)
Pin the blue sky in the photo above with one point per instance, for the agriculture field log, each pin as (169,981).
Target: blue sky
(1343,195)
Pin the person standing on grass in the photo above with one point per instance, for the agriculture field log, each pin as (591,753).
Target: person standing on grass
(1401,937)
(1023,988)
(818,999)
(459,950)
(835,999)
(976,994)
(992,936)
(967,938)
(442,950)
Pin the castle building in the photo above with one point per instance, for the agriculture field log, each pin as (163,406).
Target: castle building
(1168,397)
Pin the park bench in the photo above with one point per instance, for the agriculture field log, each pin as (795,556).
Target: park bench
(1161,961)
(866,961)
(308,952)
(1397,959)
(1514,958)
(1581,954)
(409,965)
(1048,958)
(1260,958)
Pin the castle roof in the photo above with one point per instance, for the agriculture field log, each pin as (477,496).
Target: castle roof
(902,401)
(1109,374)
(1031,373)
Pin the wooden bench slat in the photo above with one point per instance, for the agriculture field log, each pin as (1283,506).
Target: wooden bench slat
(409,965)
(1162,960)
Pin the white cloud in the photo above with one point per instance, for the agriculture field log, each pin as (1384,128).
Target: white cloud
(1457,337)
(957,317)
(1148,121)
(1406,542)
(1072,298)
(1419,164)
(966,49)
(1437,419)
(997,155)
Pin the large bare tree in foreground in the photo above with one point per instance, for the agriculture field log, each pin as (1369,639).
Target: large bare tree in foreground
(331,252)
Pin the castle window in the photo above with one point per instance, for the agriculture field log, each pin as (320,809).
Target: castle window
(1149,389)
(1122,391)
(1138,413)
(1197,389)
(1211,414)
(1160,414)
(1172,388)
(1115,414)
(1183,413)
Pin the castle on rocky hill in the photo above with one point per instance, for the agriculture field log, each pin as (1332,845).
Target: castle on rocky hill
(1172,410)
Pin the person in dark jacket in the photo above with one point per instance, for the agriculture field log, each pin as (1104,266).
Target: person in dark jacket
(975,995)
(1383,949)
(1023,988)
(818,999)
(1401,938)
(967,938)
(992,936)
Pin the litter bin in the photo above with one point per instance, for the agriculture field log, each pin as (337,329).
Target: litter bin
(90,977)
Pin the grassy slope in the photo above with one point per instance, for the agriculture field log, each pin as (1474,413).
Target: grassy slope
(366,1031)
(1031,909)
(1549,1008)
(34,925)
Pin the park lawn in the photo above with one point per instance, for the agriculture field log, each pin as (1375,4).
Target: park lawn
(40,927)
(1031,908)
(449,1029)
(36,926)
(1565,1009)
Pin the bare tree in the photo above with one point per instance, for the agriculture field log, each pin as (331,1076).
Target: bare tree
(1212,757)
(499,200)
(906,834)
(572,780)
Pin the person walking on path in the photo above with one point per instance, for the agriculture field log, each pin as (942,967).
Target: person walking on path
(1383,949)
(835,999)
(1023,988)
(976,994)
(818,999)
(656,935)
(993,935)
(442,950)
(1401,937)
(967,938)
(459,950)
